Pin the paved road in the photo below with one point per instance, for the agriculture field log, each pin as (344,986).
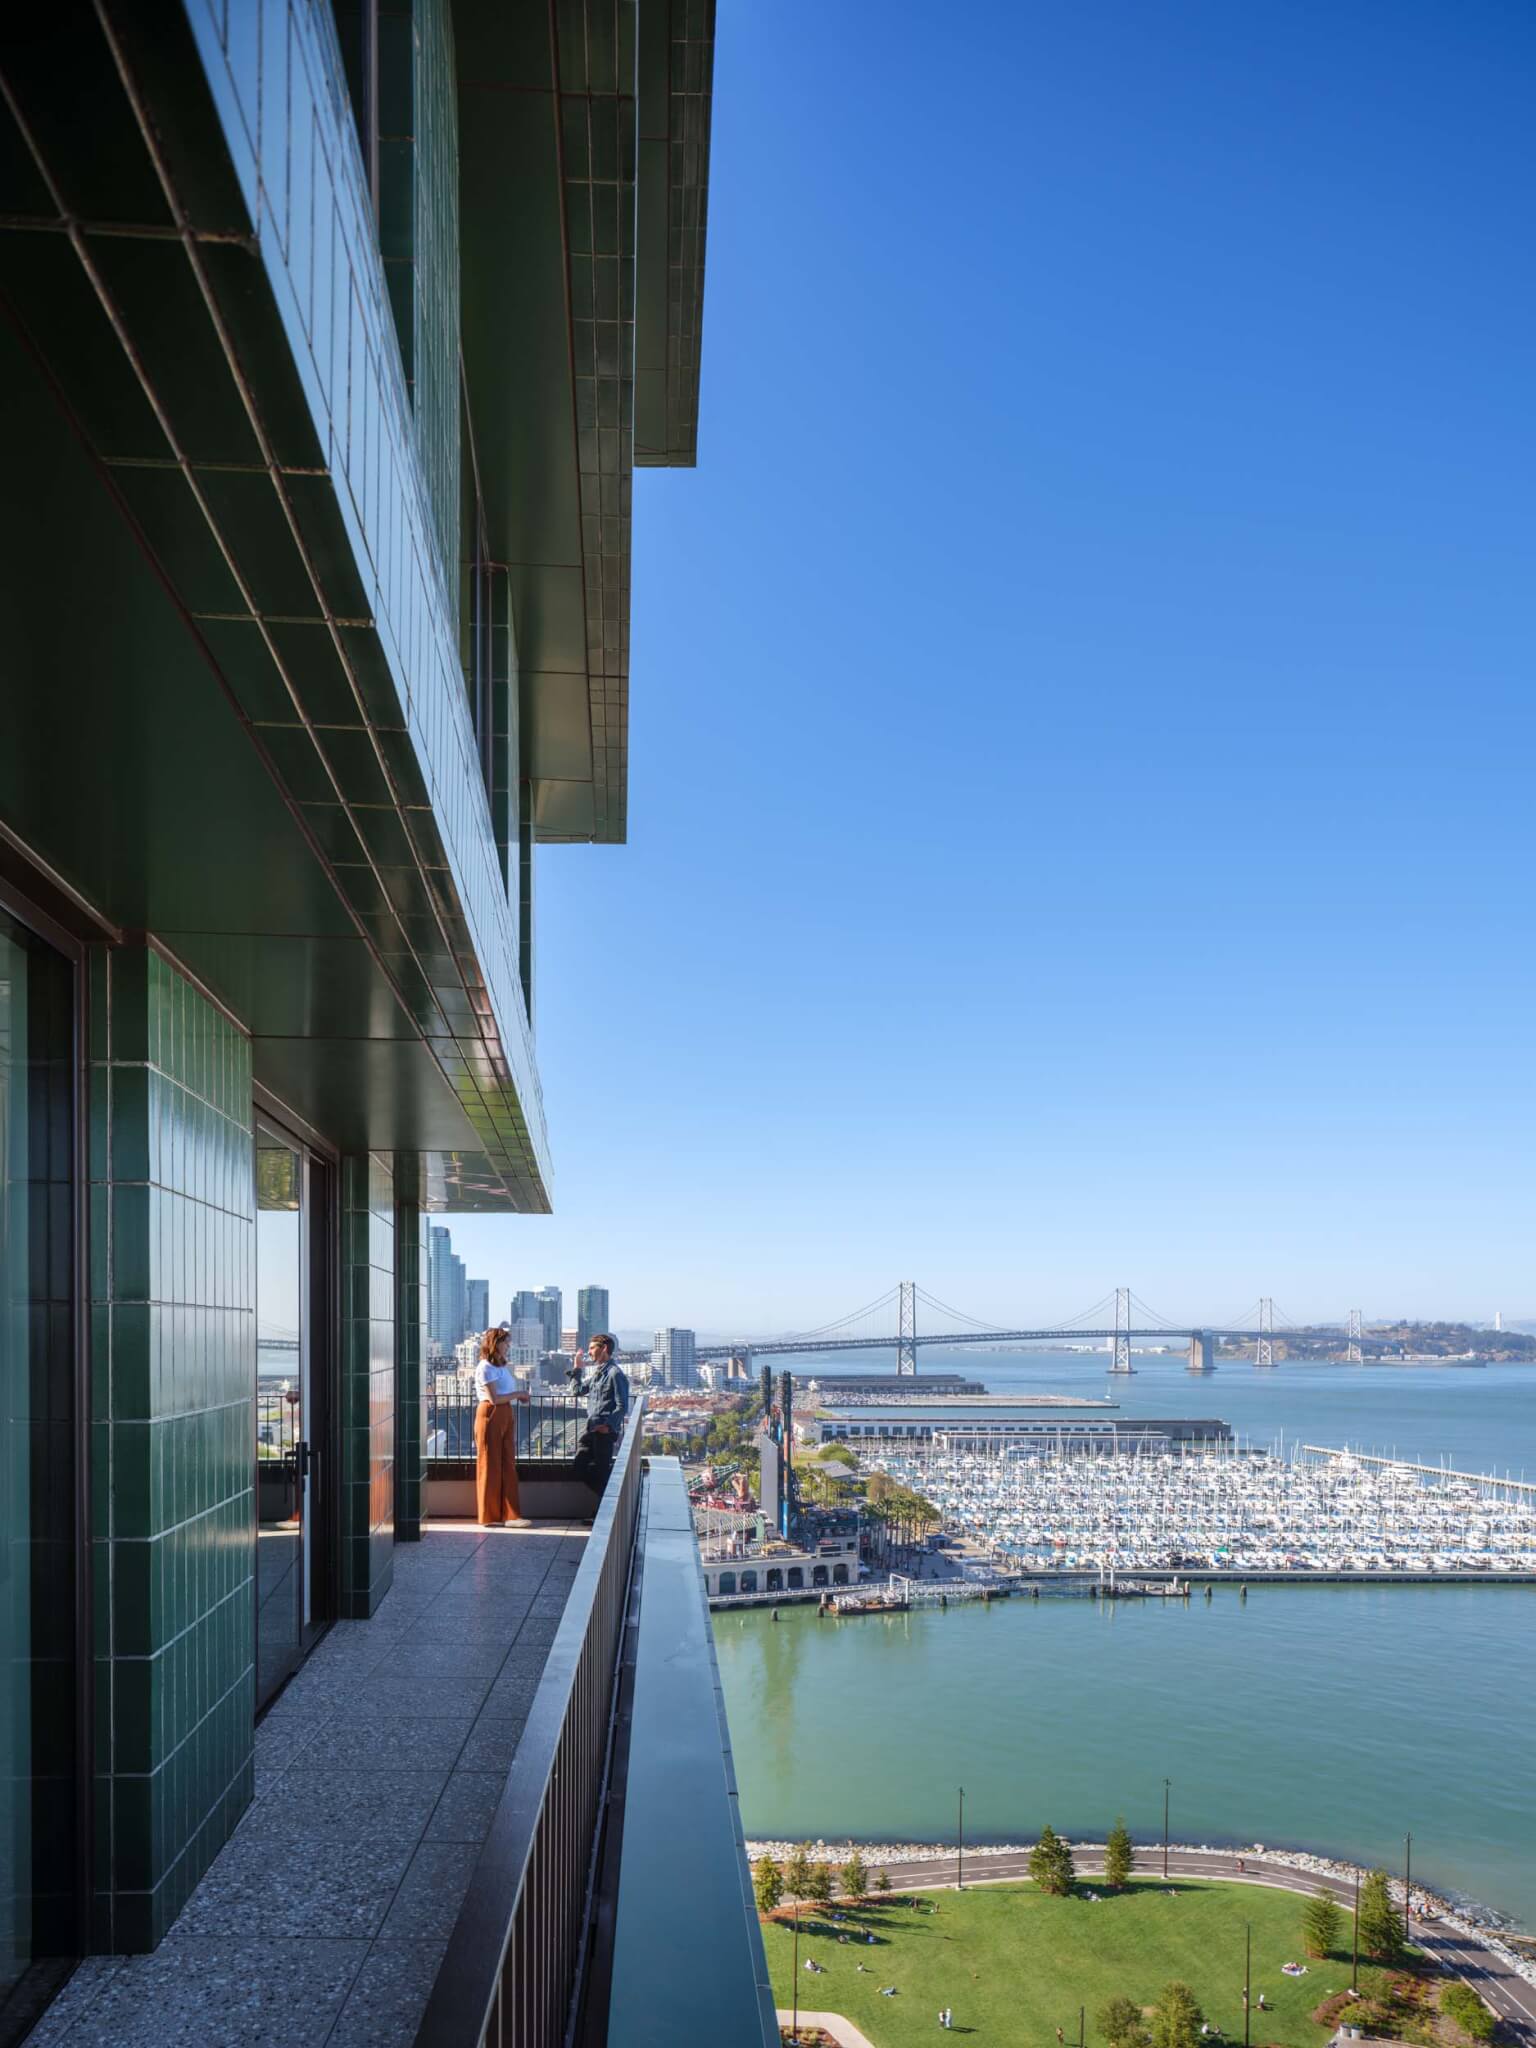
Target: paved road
(1511,1996)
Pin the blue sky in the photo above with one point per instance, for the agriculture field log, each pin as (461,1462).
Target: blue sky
(1081,824)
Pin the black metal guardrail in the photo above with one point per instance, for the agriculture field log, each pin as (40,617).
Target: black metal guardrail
(547,1425)
(510,1970)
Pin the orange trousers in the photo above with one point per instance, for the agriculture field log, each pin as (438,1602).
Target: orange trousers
(495,1463)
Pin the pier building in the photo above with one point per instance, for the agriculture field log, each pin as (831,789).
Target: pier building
(1049,1421)
(886,1386)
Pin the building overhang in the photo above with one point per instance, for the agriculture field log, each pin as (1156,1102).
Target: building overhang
(236,718)
(584,145)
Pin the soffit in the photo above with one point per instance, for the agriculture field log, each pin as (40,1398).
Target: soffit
(203,733)
(549,133)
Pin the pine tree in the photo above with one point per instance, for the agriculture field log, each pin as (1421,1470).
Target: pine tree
(1176,2018)
(1320,1924)
(1381,1926)
(1050,1863)
(797,1872)
(883,1881)
(1121,2023)
(855,1875)
(819,1887)
(1117,1857)
(767,1883)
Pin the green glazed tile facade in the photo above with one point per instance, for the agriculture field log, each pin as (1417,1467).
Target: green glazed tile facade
(173,1365)
(410,1353)
(367,1404)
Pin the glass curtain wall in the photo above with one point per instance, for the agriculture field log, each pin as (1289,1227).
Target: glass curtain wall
(38,1695)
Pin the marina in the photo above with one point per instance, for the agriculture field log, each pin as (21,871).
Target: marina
(1319,1511)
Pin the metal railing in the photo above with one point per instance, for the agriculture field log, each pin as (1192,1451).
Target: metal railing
(510,1970)
(548,1425)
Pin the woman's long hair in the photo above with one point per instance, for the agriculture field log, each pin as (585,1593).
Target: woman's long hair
(488,1342)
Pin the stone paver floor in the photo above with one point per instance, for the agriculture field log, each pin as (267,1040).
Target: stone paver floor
(321,1923)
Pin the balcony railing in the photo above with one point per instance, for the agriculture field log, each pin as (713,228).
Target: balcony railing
(548,1426)
(514,1957)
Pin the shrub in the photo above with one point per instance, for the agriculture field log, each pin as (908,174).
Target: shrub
(1462,2004)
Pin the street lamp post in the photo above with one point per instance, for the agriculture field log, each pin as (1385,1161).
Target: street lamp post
(1247,1976)
(1354,1964)
(960,1845)
(794,2025)
(1166,1783)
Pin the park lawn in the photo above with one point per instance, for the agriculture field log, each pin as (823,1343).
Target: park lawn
(1014,1964)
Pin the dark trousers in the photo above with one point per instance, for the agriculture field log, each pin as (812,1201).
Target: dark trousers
(599,1445)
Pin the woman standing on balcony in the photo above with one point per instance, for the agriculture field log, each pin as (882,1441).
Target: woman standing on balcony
(495,1438)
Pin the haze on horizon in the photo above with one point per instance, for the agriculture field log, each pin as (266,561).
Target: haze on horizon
(1080,824)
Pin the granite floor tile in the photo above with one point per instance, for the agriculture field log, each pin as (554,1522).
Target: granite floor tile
(90,1978)
(316,1701)
(389,1696)
(425,1658)
(492,1742)
(270,1885)
(278,1742)
(347,1806)
(388,1995)
(514,1690)
(482,1629)
(239,1993)
(463,1813)
(403,1745)
(431,1892)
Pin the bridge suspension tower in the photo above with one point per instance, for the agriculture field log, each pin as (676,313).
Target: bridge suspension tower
(906,1340)
(1354,1355)
(1122,1358)
(1264,1350)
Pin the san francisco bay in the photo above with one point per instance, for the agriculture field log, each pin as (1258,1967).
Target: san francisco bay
(1330,1718)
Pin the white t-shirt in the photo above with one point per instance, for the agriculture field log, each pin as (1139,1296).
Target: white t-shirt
(494,1380)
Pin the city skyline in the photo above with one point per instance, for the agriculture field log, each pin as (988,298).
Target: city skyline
(1086,827)
(488,1237)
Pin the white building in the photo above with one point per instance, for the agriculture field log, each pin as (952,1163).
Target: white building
(672,1358)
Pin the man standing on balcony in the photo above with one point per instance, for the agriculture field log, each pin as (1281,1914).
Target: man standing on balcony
(607,1407)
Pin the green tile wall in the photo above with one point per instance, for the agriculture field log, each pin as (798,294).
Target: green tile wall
(367,1505)
(410,1352)
(173,1369)
(419,238)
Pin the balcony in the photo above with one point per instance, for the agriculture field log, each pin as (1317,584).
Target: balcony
(466,1822)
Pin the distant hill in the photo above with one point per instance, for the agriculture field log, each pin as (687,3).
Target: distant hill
(1394,1339)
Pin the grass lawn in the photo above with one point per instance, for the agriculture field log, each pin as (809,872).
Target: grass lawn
(1015,1965)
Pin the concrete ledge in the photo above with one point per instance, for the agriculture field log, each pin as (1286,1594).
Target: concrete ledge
(546,1495)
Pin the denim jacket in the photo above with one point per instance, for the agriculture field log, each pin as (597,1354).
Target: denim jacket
(608,1396)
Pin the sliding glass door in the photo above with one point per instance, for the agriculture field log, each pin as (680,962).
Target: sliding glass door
(291,1323)
(38,1601)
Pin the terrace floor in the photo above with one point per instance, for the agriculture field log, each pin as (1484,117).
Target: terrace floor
(323,1920)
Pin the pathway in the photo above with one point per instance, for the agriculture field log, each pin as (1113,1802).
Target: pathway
(844,2032)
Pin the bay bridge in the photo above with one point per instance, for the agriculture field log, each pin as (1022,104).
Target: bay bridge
(1117,1320)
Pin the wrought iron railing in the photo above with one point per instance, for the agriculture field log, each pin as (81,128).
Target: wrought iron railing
(548,1425)
(511,1967)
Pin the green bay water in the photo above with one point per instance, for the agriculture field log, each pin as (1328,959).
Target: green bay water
(1331,1718)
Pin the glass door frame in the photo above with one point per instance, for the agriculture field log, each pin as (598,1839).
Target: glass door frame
(321,1322)
(68,938)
